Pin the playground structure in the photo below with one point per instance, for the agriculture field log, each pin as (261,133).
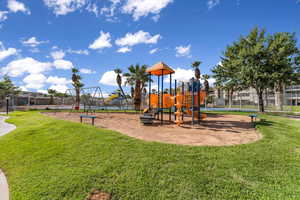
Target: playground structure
(181,101)
(91,98)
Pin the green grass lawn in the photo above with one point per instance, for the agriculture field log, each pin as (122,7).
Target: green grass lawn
(50,159)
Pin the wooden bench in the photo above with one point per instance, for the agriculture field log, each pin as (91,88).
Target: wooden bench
(88,117)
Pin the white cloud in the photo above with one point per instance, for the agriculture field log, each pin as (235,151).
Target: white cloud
(59,88)
(87,71)
(43,91)
(140,8)
(109,11)
(103,41)
(156,18)
(34,81)
(16,6)
(33,42)
(80,52)
(19,67)
(58,55)
(63,7)
(136,8)
(23,88)
(184,75)
(58,83)
(93,8)
(63,64)
(211,81)
(4,53)
(124,50)
(109,78)
(212,3)
(152,51)
(183,51)
(140,37)
(55,80)
(3,16)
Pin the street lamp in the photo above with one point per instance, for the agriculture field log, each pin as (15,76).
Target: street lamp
(7,103)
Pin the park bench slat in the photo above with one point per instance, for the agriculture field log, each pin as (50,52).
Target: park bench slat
(88,116)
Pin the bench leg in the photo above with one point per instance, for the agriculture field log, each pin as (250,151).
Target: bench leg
(80,119)
(93,120)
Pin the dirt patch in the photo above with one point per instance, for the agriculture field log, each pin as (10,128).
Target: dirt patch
(215,130)
(98,195)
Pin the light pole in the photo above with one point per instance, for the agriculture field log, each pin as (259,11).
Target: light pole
(7,103)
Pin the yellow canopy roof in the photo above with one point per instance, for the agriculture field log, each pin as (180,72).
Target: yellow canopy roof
(160,69)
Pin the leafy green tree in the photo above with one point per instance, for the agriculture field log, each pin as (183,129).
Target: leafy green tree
(284,60)
(268,62)
(227,72)
(138,78)
(77,84)
(7,87)
(260,62)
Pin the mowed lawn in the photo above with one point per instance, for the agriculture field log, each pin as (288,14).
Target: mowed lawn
(50,159)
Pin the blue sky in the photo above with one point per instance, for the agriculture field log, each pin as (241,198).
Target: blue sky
(42,39)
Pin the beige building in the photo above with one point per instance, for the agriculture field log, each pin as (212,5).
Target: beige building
(291,96)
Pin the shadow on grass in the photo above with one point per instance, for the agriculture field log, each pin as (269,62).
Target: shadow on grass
(263,122)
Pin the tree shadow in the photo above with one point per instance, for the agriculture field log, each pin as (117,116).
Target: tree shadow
(263,122)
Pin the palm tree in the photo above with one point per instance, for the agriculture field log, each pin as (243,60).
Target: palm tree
(195,65)
(119,77)
(77,84)
(205,77)
(132,91)
(119,82)
(137,77)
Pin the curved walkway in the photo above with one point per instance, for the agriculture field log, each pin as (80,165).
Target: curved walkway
(4,129)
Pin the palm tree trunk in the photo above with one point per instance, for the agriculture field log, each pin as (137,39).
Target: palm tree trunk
(137,96)
(122,91)
(77,101)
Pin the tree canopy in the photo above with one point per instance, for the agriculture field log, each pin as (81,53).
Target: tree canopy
(7,87)
(137,77)
(259,61)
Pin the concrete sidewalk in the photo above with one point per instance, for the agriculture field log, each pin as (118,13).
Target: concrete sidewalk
(4,129)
